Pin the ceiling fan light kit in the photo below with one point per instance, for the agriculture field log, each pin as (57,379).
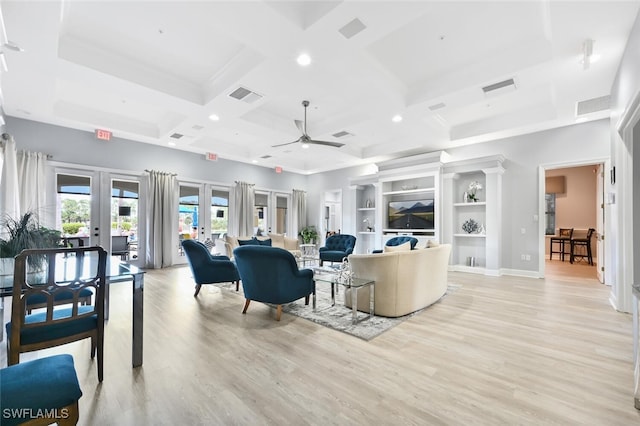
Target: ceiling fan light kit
(305,139)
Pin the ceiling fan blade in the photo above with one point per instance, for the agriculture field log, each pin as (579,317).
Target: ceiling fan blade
(283,144)
(300,126)
(326,143)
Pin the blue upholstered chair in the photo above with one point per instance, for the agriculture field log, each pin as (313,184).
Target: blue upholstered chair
(271,275)
(208,269)
(396,241)
(67,271)
(48,386)
(337,247)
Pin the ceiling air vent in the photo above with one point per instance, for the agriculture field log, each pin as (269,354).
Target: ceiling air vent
(437,106)
(499,87)
(264,157)
(352,28)
(342,134)
(176,136)
(592,105)
(245,95)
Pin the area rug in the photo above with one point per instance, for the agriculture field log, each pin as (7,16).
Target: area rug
(339,317)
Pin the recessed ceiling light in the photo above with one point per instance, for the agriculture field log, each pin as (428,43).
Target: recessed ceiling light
(305,145)
(397,118)
(304,60)
(581,119)
(255,161)
(214,117)
(172,144)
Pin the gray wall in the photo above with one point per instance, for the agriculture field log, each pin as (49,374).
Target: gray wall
(524,154)
(80,147)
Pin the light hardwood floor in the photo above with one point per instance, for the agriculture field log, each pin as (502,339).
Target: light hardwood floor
(498,351)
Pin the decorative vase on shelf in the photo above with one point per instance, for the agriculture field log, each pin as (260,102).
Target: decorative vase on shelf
(470,226)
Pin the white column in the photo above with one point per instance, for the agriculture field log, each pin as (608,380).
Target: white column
(493,192)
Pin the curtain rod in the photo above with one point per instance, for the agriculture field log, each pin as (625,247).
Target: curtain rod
(168,173)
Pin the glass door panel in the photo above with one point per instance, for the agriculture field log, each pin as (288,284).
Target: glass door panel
(282,217)
(125,196)
(77,208)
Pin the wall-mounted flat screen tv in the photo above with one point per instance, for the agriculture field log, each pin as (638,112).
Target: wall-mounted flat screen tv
(415,214)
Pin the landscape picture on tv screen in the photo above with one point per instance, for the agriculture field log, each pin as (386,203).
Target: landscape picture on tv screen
(416,214)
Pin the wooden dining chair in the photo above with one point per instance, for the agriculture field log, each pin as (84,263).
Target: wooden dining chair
(66,273)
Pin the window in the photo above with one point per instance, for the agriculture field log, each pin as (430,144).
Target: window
(219,211)
(188,212)
(74,201)
(550,214)
(281,214)
(260,214)
(124,208)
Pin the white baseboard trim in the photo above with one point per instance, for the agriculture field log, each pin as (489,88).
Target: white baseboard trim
(520,273)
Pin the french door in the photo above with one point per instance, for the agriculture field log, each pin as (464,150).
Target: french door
(101,208)
(203,215)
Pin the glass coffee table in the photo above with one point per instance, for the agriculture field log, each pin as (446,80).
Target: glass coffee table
(333,277)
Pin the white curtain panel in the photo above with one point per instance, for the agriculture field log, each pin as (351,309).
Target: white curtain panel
(299,216)
(32,191)
(9,186)
(162,219)
(243,206)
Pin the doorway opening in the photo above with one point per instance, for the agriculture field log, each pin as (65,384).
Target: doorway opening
(573,201)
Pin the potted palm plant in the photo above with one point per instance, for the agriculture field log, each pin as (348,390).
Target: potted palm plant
(308,234)
(22,233)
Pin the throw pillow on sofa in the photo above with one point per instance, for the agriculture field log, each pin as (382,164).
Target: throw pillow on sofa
(401,247)
(254,242)
(266,242)
(251,242)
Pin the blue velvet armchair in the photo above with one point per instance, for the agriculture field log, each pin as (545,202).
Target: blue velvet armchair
(396,241)
(208,269)
(271,275)
(337,247)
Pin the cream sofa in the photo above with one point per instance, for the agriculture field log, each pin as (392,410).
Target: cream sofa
(406,281)
(277,240)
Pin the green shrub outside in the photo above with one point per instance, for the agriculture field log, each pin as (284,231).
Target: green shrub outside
(71,228)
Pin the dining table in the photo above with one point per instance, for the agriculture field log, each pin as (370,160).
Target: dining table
(117,271)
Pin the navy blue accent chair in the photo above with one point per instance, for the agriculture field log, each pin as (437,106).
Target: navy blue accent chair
(271,275)
(64,271)
(396,241)
(336,248)
(46,385)
(208,269)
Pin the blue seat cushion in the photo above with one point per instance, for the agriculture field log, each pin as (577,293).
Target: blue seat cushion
(56,330)
(332,255)
(42,384)
(39,298)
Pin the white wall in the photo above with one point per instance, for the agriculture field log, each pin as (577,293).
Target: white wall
(625,94)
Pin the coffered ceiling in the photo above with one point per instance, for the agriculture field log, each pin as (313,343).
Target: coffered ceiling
(151,71)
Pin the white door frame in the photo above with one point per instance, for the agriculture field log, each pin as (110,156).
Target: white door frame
(541,201)
(621,275)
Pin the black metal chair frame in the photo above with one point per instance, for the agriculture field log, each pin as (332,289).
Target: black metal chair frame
(564,236)
(577,243)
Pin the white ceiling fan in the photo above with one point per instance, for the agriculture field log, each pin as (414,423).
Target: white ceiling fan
(305,139)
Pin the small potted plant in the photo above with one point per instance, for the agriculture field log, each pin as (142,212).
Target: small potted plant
(309,234)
